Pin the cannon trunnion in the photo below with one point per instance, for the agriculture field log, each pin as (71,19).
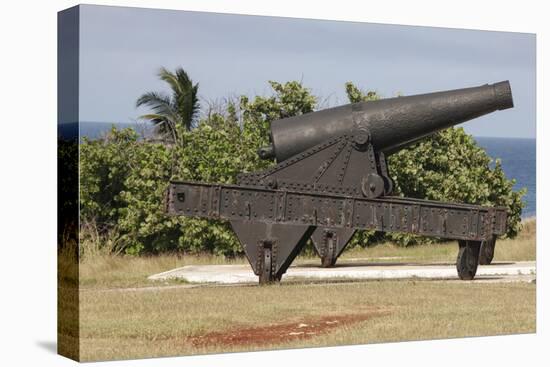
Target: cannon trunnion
(332,179)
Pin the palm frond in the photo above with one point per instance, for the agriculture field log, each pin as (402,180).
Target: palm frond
(172,79)
(195,99)
(181,107)
(154,118)
(152,99)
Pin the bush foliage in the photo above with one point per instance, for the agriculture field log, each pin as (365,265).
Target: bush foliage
(123,178)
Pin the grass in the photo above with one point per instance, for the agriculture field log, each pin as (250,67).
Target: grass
(107,271)
(123,315)
(523,247)
(162,322)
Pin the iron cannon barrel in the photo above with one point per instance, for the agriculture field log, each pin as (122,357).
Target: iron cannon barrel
(391,123)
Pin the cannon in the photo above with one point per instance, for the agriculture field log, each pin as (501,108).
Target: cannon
(331,178)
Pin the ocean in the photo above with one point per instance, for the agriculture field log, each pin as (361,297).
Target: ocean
(518,158)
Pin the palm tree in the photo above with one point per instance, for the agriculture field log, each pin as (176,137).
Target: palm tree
(178,109)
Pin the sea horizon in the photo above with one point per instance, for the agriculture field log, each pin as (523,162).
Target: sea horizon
(146,123)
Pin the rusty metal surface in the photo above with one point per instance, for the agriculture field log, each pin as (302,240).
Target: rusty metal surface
(388,214)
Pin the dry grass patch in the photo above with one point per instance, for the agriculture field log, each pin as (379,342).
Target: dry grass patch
(521,248)
(164,322)
(109,271)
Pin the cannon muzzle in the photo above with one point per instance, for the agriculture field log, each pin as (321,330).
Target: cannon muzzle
(391,124)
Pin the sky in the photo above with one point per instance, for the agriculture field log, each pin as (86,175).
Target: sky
(122,49)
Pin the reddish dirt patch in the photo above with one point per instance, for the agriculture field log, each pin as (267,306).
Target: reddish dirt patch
(279,333)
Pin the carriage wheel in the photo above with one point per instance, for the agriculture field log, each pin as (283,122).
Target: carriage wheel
(487,251)
(468,259)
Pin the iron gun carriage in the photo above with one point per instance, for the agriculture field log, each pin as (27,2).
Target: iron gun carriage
(332,178)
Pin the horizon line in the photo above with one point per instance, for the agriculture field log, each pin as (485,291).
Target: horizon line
(136,123)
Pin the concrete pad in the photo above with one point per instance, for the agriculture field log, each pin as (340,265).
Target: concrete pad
(236,274)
